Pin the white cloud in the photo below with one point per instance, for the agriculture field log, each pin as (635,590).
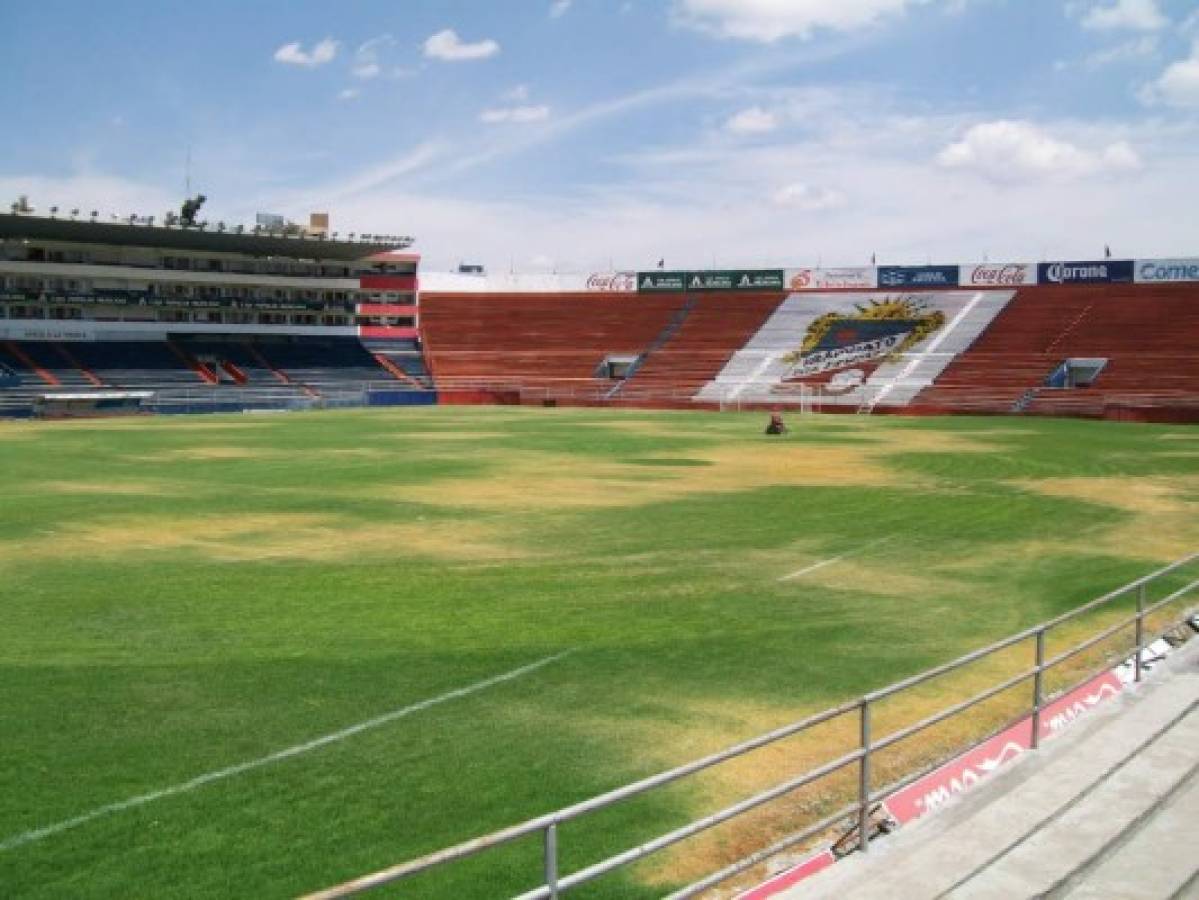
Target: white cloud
(517,94)
(754,120)
(349,94)
(515,114)
(559,8)
(294,54)
(1138,15)
(448,47)
(771,20)
(1178,85)
(1014,151)
(366,58)
(807,198)
(1140,48)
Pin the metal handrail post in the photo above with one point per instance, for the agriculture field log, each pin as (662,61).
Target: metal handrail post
(551,859)
(1038,691)
(864,780)
(1140,631)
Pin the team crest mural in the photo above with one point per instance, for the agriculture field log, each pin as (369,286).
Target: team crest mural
(840,351)
(849,348)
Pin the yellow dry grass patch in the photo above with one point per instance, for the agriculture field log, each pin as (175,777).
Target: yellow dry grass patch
(199,454)
(879,579)
(1151,494)
(914,440)
(1164,523)
(353,453)
(138,488)
(451,435)
(261,536)
(542,480)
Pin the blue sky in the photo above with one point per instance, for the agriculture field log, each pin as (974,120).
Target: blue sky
(551,134)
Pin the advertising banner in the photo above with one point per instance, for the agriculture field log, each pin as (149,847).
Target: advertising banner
(917,276)
(1156,271)
(713,280)
(661,281)
(612,282)
(938,787)
(736,280)
(142,298)
(1086,272)
(47,331)
(999,275)
(864,278)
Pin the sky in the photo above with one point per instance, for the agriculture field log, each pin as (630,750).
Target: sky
(581,135)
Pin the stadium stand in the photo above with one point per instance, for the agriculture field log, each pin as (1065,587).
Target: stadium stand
(1145,332)
(553,342)
(716,327)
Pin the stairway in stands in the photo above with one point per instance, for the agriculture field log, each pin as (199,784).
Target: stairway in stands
(716,328)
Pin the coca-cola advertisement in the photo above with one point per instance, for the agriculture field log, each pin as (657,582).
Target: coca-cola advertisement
(999,274)
(612,282)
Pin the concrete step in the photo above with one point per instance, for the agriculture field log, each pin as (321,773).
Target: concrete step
(1037,798)
(1160,860)
(1074,841)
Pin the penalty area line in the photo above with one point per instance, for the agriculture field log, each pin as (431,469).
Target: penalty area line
(37,834)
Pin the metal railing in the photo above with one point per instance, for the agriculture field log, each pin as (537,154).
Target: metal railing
(554,883)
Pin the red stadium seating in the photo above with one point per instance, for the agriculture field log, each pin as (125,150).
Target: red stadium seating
(1146,332)
(537,341)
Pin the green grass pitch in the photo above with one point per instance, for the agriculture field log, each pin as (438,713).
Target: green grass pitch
(184,596)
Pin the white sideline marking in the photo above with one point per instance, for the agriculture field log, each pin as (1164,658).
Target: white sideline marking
(46,831)
(813,568)
(835,559)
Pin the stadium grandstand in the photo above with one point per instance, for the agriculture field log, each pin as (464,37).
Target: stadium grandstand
(206,319)
(228,319)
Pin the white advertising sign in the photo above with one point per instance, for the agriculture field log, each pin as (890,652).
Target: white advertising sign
(1156,271)
(612,282)
(47,331)
(998,274)
(864,278)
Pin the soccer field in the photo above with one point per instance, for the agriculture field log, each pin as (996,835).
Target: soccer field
(257,655)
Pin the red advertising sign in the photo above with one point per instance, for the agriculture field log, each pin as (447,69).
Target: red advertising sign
(817,862)
(934,789)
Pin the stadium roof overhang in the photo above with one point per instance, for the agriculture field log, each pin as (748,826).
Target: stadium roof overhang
(122,234)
